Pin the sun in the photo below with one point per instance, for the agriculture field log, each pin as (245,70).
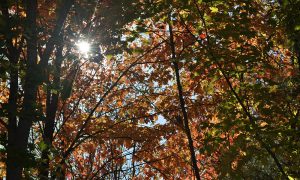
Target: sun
(83,47)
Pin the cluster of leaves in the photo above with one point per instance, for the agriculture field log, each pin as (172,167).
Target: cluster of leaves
(162,76)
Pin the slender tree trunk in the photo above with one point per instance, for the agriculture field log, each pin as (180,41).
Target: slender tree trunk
(51,109)
(132,162)
(28,113)
(52,98)
(13,96)
(17,149)
(19,128)
(182,106)
(12,122)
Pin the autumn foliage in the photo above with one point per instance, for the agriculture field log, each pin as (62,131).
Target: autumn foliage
(169,89)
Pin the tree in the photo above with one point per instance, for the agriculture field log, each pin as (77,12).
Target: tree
(169,89)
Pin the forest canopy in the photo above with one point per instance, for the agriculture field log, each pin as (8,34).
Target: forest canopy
(149,89)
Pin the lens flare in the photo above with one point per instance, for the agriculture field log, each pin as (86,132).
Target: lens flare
(84,47)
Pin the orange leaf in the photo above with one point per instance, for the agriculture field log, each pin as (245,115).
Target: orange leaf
(202,36)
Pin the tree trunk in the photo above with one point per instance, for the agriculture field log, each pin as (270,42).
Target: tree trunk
(52,104)
(18,136)
(182,106)
(12,123)
(52,98)
(18,131)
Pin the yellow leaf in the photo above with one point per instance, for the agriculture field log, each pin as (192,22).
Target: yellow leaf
(291,178)
(214,9)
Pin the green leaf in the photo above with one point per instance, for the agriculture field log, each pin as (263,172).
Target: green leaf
(42,146)
(297,28)
(273,88)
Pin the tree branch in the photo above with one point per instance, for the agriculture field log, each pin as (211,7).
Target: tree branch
(252,121)
(182,104)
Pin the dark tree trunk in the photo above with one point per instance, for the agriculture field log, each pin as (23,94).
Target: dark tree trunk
(52,98)
(12,122)
(18,134)
(183,108)
(19,128)
(13,53)
(51,110)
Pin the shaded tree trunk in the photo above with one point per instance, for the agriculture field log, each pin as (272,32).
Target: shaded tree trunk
(52,97)
(182,106)
(51,109)
(18,134)
(12,122)
(13,57)
(19,125)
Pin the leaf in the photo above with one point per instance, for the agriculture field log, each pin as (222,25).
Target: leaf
(202,36)
(214,9)
(42,146)
(297,28)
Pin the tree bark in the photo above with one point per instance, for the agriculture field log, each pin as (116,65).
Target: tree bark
(12,120)
(182,106)
(51,109)
(19,125)
(13,94)
(18,134)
